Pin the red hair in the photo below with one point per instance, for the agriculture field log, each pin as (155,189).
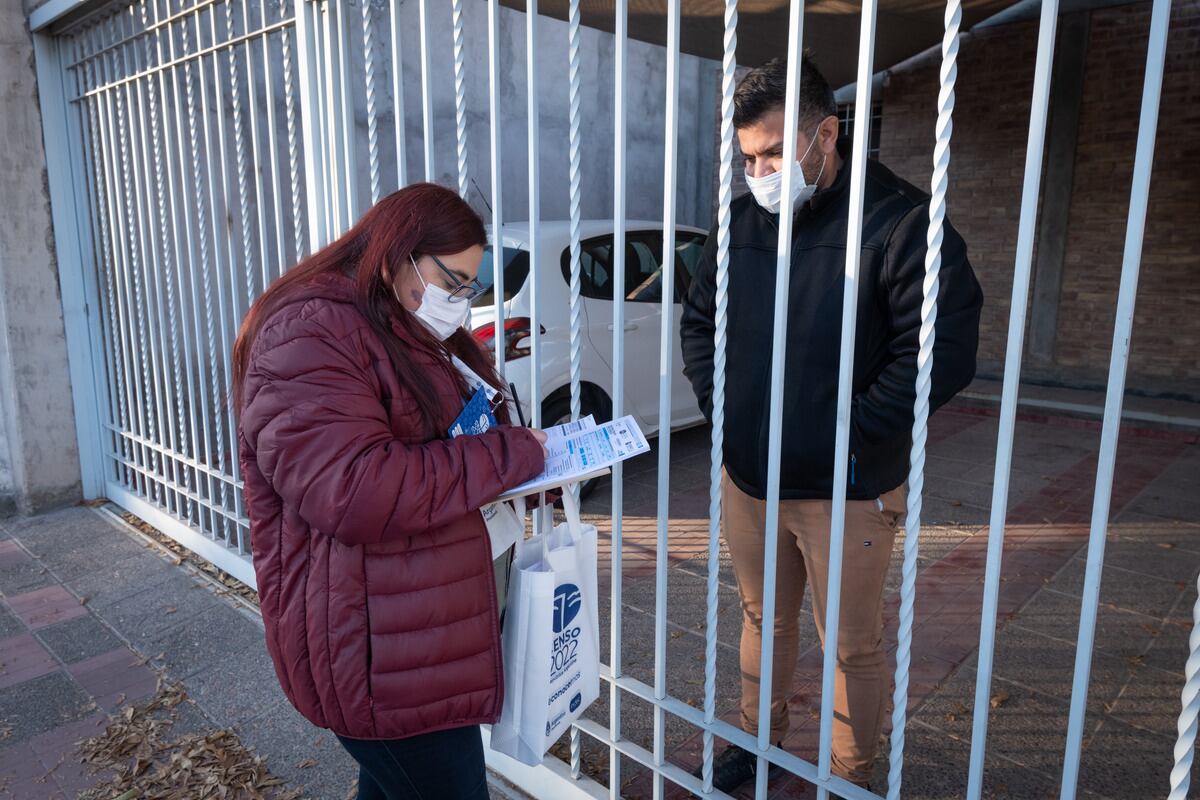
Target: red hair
(419,219)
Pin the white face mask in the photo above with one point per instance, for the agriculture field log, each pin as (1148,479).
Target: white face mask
(440,312)
(768,190)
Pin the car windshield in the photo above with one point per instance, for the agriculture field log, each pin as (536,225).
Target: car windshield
(516,270)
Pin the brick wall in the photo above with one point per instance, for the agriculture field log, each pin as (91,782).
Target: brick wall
(991,125)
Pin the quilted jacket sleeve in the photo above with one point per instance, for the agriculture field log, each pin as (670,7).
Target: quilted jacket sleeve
(319,434)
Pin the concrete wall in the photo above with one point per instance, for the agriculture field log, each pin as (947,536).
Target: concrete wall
(991,123)
(39,463)
(646,91)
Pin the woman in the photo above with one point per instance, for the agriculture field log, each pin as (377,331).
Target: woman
(373,561)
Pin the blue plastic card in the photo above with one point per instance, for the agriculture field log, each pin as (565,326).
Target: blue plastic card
(476,416)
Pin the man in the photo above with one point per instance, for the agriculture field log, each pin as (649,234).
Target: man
(895,219)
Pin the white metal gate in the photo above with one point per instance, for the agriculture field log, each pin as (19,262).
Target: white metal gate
(198,147)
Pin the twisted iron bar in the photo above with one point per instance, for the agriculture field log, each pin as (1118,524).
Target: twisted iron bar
(460,96)
(289,101)
(916,475)
(1185,745)
(135,269)
(725,195)
(167,267)
(205,272)
(372,115)
(240,150)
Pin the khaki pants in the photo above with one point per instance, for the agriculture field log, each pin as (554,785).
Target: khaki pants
(862,681)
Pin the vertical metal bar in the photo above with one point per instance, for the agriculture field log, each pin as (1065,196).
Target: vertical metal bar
(220,213)
(166,213)
(783,261)
(289,101)
(496,141)
(272,160)
(142,250)
(398,88)
(1008,398)
(665,374)
(717,453)
(621,37)
(308,65)
(155,264)
(427,90)
(200,238)
(246,266)
(575,178)
(916,475)
(107,69)
(95,154)
(535,212)
(256,150)
(837,531)
(346,109)
(240,161)
(1185,742)
(1135,229)
(78,285)
(460,94)
(328,117)
(368,39)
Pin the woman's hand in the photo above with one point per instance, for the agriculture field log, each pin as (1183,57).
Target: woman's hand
(541,436)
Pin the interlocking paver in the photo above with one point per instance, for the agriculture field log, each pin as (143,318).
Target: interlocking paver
(23,658)
(46,606)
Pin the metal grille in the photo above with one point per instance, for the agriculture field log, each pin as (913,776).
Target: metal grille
(214,143)
(187,120)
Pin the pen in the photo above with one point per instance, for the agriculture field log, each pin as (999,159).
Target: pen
(517,403)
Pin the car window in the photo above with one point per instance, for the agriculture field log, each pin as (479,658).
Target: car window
(642,265)
(516,270)
(595,267)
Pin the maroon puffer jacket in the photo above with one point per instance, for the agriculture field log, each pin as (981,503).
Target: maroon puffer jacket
(373,562)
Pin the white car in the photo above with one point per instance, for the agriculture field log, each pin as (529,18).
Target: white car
(642,286)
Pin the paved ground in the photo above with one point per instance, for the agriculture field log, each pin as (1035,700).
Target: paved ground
(83,601)
(1149,587)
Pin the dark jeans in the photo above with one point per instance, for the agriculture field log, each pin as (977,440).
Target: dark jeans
(444,765)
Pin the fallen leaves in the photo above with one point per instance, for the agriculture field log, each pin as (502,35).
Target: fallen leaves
(143,763)
(999,699)
(307,763)
(180,555)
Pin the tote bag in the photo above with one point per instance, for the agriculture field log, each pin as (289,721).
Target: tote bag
(551,638)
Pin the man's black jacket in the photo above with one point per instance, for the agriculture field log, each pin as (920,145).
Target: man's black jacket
(895,220)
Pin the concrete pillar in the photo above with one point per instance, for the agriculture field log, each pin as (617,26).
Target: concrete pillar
(1066,94)
(39,460)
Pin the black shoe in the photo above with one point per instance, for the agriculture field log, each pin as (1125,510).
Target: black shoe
(734,767)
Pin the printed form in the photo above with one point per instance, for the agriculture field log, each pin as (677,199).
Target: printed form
(583,449)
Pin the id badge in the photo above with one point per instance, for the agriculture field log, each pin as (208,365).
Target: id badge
(503,525)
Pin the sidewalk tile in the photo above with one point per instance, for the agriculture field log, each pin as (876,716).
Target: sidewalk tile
(46,606)
(49,746)
(78,639)
(41,704)
(22,658)
(115,677)
(18,572)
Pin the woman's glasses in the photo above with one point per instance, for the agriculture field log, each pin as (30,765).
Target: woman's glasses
(460,290)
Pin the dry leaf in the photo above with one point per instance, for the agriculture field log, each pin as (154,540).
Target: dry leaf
(170,610)
(307,763)
(1166,545)
(999,699)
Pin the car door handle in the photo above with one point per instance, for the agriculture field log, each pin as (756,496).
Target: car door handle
(629,326)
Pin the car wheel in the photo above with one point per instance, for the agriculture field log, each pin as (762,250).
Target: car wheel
(557,411)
